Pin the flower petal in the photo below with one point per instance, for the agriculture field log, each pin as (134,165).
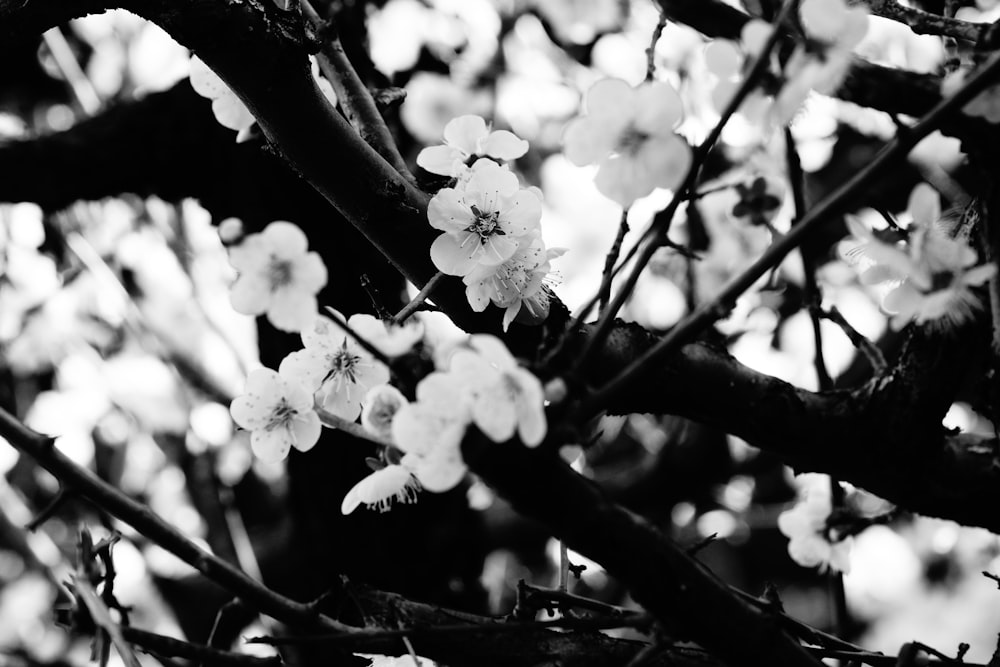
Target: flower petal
(504,145)
(291,310)
(465,132)
(440,160)
(271,445)
(285,240)
(305,429)
(454,254)
(448,211)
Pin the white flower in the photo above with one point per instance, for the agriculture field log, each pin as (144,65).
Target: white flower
(629,131)
(805,525)
(504,397)
(518,281)
(933,274)
(838,29)
(482,222)
(390,339)
(381,404)
(335,366)
(468,136)
(277,276)
(279,415)
(229,110)
(379,489)
(429,432)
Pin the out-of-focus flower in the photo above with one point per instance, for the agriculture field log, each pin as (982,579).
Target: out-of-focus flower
(430,430)
(483,221)
(520,281)
(379,489)
(465,137)
(504,397)
(985,105)
(335,366)
(629,132)
(381,404)
(278,413)
(805,525)
(836,29)
(277,276)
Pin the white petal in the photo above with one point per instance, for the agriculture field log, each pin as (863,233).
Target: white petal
(441,160)
(305,428)
(250,294)
(504,145)
(465,132)
(271,445)
(285,239)
(263,392)
(448,211)
(291,310)
(454,254)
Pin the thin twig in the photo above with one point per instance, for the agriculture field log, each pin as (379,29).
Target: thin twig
(609,261)
(868,348)
(331,420)
(85,484)
(358,338)
(151,642)
(352,94)
(418,301)
(661,23)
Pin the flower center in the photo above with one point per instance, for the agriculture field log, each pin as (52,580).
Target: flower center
(631,140)
(485,224)
(282,414)
(343,363)
(279,273)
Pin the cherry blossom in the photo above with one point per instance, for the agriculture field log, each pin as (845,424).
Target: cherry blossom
(629,131)
(335,366)
(381,404)
(379,489)
(504,397)
(277,276)
(805,525)
(520,281)
(483,221)
(835,30)
(278,413)
(228,109)
(429,432)
(465,137)
(932,273)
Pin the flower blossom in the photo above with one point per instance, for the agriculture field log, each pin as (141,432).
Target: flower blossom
(381,404)
(520,281)
(629,131)
(379,489)
(278,413)
(335,366)
(484,222)
(504,398)
(466,137)
(429,433)
(933,273)
(805,525)
(835,29)
(277,276)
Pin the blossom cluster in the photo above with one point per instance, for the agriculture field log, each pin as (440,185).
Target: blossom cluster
(810,541)
(491,225)
(335,379)
(931,274)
